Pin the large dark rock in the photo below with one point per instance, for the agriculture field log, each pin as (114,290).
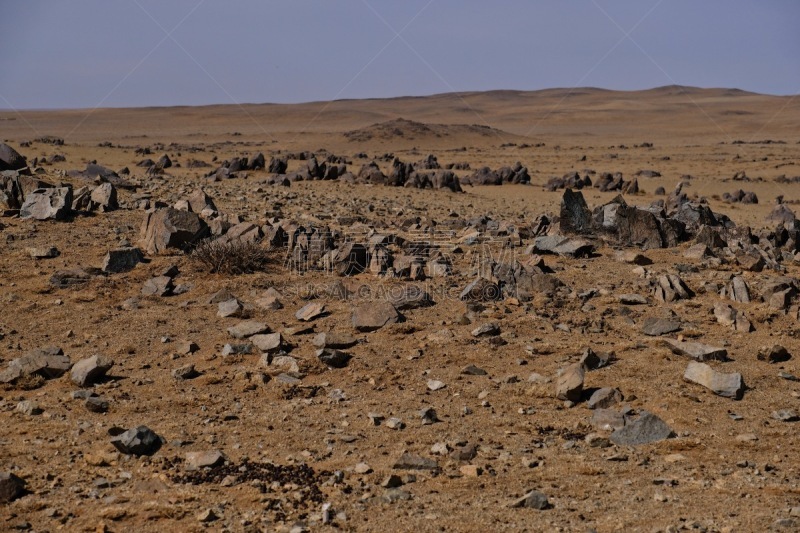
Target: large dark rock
(644,430)
(167,228)
(47,204)
(137,441)
(10,159)
(575,216)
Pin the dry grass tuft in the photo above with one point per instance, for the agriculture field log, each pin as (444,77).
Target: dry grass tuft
(230,257)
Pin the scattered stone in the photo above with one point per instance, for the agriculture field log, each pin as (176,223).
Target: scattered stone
(268,343)
(487,330)
(472,370)
(207,459)
(167,228)
(207,516)
(428,416)
(44,252)
(246,329)
(185,372)
(726,385)
(532,500)
(230,308)
(774,354)
(644,430)
(158,286)
(604,398)
(670,287)
(95,404)
(632,299)
(11,487)
(333,358)
(47,204)
(786,415)
(409,461)
(88,371)
(374,315)
(49,363)
(434,385)
(137,441)
(569,383)
(332,339)
(592,360)
(728,316)
(697,351)
(121,260)
(481,290)
(656,327)
(310,311)
(29,408)
(395,423)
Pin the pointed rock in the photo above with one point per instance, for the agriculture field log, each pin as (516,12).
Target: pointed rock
(88,371)
(569,383)
(697,351)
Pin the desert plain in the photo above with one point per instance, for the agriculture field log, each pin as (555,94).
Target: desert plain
(351,382)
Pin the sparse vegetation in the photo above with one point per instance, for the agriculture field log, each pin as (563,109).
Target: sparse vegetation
(230,257)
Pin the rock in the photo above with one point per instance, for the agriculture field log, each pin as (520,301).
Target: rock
(632,299)
(532,500)
(395,423)
(728,316)
(248,328)
(137,441)
(575,216)
(95,404)
(607,419)
(271,301)
(487,330)
(44,252)
(736,290)
(104,198)
(670,287)
(333,358)
(50,363)
(697,351)
(428,416)
(644,430)
(374,315)
(786,415)
(563,246)
(29,408)
(470,470)
(53,203)
(409,297)
(774,354)
(310,311)
(88,371)
(207,459)
(409,461)
(472,370)
(481,290)
(332,339)
(207,516)
(595,440)
(230,308)
(10,159)
(592,360)
(655,327)
(721,384)
(121,260)
(604,398)
(158,286)
(435,384)
(185,372)
(11,487)
(167,228)
(271,342)
(569,383)
(632,257)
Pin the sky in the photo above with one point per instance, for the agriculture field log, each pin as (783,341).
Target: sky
(134,53)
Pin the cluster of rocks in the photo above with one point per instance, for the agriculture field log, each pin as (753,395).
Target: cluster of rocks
(740,197)
(517,174)
(607,182)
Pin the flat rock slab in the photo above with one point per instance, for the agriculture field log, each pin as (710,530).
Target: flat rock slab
(644,430)
(564,246)
(270,342)
(632,299)
(722,384)
(374,315)
(48,363)
(310,311)
(697,351)
(532,500)
(209,459)
(333,339)
(655,327)
(248,328)
(409,461)
(122,260)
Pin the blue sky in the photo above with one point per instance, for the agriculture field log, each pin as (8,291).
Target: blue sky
(87,53)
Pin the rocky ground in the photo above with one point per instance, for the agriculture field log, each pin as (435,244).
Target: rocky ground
(342,354)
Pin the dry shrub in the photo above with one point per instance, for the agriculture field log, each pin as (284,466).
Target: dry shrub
(230,257)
